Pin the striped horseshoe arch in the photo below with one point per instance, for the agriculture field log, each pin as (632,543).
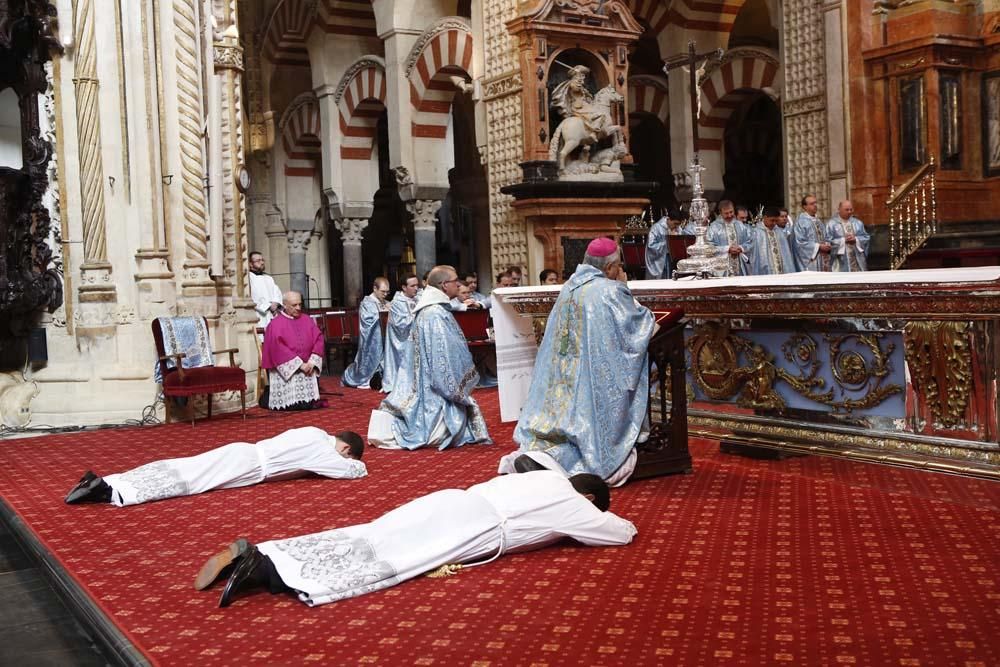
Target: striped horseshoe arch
(742,74)
(300,133)
(648,95)
(360,101)
(444,51)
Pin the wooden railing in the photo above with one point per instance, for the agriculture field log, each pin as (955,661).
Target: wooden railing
(912,214)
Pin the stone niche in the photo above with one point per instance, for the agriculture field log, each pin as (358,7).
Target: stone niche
(576,182)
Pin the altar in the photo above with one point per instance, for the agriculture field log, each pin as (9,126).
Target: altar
(897,367)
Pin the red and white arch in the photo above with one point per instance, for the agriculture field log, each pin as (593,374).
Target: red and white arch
(648,95)
(300,137)
(743,73)
(444,51)
(701,15)
(359,106)
(292,22)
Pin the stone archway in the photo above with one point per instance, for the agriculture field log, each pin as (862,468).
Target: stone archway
(752,148)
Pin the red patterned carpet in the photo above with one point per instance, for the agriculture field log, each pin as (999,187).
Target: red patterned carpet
(809,560)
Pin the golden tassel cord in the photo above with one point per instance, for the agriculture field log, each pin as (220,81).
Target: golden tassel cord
(445,571)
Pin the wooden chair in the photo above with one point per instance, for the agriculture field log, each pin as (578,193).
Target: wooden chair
(186,382)
(341,330)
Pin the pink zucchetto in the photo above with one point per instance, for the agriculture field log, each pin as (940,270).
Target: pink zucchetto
(601,247)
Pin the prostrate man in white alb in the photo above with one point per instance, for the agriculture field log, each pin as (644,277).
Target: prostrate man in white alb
(809,242)
(263,290)
(397,331)
(446,528)
(294,453)
(431,403)
(368,360)
(849,239)
(590,388)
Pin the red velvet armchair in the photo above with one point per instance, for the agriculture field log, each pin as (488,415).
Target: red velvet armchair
(180,381)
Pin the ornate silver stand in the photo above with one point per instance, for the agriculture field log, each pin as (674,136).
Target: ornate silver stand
(703,260)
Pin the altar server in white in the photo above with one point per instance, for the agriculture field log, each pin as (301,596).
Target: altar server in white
(294,453)
(263,290)
(473,527)
(849,239)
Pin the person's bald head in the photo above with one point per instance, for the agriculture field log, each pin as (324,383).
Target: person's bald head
(292,301)
(445,278)
(845,209)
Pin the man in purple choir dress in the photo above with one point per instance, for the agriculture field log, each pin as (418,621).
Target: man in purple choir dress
(293,357)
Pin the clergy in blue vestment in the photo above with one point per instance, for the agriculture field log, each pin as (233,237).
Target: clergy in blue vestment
(657,252)
(368,360)
(590,389)
(809,242)
(471,279)
(431,402)
(771,252)
(849,239)
(733,237)
(397,332)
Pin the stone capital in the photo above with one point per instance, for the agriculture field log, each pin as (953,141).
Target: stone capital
(298,241)
(351,229)
(424,212)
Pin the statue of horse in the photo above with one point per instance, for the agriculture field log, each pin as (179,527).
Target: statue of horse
(586,129)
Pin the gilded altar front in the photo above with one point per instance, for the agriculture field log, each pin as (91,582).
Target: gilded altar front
(893,367)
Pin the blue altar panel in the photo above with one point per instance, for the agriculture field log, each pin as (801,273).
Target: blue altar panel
(851,373)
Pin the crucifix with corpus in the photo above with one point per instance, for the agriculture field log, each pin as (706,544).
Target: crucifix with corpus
(691,60)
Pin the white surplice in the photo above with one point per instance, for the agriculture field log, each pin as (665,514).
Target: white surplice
(294,453)
(264,291)
(506,514)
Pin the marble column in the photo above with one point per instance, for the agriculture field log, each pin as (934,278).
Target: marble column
(298,244)
(350,232)
(424,212)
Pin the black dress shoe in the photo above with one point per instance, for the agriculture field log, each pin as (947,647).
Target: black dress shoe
(525,463)
(90,489)
(221,564)
(245,575)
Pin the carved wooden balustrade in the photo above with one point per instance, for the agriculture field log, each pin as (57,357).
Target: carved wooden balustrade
(912,214)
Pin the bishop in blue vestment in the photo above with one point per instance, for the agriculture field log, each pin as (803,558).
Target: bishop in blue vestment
(431,402)
(590,387)
(397,331)
(368,360)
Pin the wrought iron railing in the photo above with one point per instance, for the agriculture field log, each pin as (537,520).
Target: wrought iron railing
(912,214)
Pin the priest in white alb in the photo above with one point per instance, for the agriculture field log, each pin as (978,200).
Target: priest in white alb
(449,529)
(263,290)
(589,392)
(295,453)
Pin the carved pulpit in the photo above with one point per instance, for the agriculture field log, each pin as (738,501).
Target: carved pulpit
(574,106)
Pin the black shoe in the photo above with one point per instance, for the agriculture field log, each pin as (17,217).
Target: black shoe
(245,575)
(90,489)
(525,463)
(221,564)
(376,381)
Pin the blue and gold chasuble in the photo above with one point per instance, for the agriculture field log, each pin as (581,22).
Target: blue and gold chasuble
(590,388)
(431,401)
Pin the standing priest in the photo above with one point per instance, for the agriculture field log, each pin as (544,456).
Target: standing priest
(589,393)
(397,332)
(771,252)
(849,239)
(368,360)
(431,402)
(293,356)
